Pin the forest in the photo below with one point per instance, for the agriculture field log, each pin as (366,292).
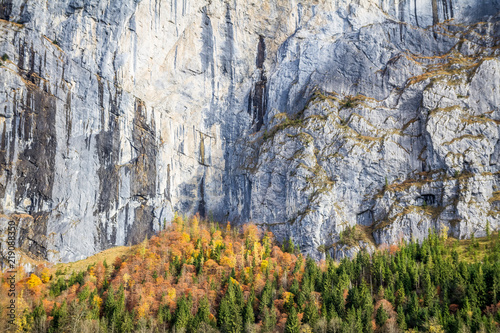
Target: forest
(199,276)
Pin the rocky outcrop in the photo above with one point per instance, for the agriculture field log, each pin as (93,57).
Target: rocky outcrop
(306,117)
(421,156)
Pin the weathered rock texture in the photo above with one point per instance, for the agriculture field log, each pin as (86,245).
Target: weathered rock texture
(306,117)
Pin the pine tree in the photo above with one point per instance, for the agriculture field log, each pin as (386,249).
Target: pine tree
(401,297)
(311,314)
(269,319)
(381,316)
(110,304)
(294,288)
(479,286)
(248,315)
(352,322)
(230,319)
(224,313)
(127,325)
(401,318)
(164,314)
(289,303)
(59,315)
(292,322)
(183,313)
(413,309)
(119,307)
(202,315)
(266,297)
(338,302)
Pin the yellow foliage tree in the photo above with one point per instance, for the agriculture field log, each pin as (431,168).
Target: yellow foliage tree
(228,261)
(435,327)
(444,231)
(34,281)
(144,247)
(258,250)
(171,293)
(287,295)
(143,309)
(195,226)
(263,265)
(126,278)
(20,321)
(251,232)
(185,237)
(233,281)
(92,271)
(217,242)
(45,275)
(97,301)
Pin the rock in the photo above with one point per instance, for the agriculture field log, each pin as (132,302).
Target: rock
(303,117)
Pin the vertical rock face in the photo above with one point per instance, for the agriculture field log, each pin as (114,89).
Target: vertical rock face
(307,117)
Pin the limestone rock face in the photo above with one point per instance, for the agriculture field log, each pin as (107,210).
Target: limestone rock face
(305,117)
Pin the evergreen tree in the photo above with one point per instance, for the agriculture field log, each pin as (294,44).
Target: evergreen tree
(338,302)
(381,316)
(311,314)
(295,289)
(289,304)
(183,313)
(164,314)
(59,315)
(401,297)
(266,297)
(224,313)
(248,315)
(479,287)
(202,315)
(269,319)
(230,319)
(353,322)
(401,320)
(292,322)
(413,310)
(116,315)
(127,325)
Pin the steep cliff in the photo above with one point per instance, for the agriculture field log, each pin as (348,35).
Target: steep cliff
(305,116)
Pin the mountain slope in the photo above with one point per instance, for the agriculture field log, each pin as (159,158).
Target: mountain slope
(115,114)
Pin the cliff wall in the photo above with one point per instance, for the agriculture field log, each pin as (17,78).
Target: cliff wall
(305,116)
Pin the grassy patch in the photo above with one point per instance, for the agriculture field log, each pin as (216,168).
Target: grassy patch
(350,101)
(464,137)
(108,255)
(351,236)
(474,249)
(295,120)
(495,197)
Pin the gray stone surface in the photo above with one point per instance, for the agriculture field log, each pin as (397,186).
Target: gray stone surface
(304,117)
